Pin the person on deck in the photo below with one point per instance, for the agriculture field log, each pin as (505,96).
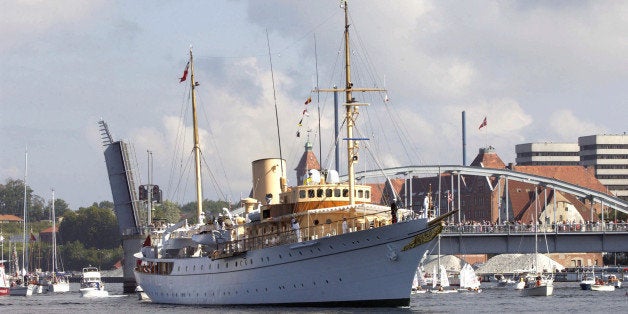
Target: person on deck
(393,212)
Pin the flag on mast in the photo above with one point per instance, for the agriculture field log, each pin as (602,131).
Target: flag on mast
(483,124)
(185,73)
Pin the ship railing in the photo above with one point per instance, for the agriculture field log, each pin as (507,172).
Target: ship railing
(282,234)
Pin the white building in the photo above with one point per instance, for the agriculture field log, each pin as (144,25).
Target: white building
(608,154)
(547,154)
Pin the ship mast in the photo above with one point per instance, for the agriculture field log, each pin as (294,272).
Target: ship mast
(351,106)
(352,112)
(197,147)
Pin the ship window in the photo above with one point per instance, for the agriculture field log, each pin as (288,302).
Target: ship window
(328,193)
(360,193)
(345,192)
(310,193)
(367,194)
(301,193)
(178,268)
(319,193)
(337,192)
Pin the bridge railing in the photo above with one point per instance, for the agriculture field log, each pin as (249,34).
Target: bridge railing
(528,228)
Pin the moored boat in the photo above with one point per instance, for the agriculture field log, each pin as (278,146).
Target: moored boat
(22,283)
(4,282)
(54,281)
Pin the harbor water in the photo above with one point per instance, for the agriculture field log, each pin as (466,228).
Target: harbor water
(568,297)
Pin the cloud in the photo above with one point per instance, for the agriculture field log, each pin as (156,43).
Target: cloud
(566,126)
(25,20)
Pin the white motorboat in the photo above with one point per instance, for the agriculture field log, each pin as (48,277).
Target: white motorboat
(91,284)
(588,280)
(613,280)
(602,287)
(541,285)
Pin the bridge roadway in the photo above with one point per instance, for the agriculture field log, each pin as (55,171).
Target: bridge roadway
(487,239)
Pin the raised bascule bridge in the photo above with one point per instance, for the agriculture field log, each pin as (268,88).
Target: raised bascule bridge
(125,200)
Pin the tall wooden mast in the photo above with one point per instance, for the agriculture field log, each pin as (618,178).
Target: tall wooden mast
(351,108)
(197,146)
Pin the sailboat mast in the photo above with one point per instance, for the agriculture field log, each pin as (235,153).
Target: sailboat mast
(197,147)
(352,111)
(536,219)
(25,218)
(54,236)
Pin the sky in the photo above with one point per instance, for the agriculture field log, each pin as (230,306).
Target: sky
(539,71)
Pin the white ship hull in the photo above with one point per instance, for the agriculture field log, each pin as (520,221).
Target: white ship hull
(366,268)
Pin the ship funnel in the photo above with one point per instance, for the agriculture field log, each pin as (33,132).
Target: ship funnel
(268,180)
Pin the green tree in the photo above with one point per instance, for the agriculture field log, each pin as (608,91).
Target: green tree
(168,211)
(93,226)
(12,197)
(211,208)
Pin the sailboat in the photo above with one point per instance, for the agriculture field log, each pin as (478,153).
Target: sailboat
(55,281)
(418,281)
(4,281)
(539,284)
(292,251)
(22,286)
(441,284)
(468,280)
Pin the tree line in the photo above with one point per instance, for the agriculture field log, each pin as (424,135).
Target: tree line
(86,236)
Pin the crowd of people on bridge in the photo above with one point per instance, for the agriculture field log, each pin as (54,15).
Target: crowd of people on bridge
(485,226)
